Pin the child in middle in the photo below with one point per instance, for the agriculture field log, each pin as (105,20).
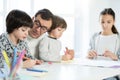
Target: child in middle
(50,46)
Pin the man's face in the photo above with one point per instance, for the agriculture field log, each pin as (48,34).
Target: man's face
(40,26)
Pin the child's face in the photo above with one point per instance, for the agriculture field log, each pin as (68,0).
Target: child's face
(21,33)
(107,22)
(57,33)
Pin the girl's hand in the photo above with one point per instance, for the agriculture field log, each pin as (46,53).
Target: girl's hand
(92,54)
(110,55)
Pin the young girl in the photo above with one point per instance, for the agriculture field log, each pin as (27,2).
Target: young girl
(18,24)
(107,42)
(50,46)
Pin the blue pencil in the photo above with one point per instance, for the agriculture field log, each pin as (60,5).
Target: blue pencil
(14,58)
(36,70)
(13,73)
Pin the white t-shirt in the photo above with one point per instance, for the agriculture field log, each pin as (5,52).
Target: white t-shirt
(103,43)
(33,45)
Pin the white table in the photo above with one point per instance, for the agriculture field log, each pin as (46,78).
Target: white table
(70,71)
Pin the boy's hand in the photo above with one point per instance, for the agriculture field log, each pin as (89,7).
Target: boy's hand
(39,61)
(29,63)
(70,52)
(66,57)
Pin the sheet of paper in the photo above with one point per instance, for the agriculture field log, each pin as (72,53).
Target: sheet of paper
(27,77)
(32,73)
(98,63)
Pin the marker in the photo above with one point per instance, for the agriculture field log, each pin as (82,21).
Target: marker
(67,51)
(36,70)
(13,72)
(49,62)
(1,73)
(14,58)
(6,58)
(5,72)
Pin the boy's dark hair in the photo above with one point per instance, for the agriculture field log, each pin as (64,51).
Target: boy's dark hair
(16,18)
(58,22)
(45,14)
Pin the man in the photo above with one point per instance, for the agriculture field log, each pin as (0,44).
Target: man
(42,23)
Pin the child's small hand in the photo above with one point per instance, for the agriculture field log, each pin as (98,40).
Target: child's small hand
(29,63)
(66,57)
(39,61)
(70,52)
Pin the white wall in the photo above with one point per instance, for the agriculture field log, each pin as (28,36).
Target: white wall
(63,8)
(87,20)
(82,17)
(96,7)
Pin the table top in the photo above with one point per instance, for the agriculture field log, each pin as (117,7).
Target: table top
(68,71)
(71,71)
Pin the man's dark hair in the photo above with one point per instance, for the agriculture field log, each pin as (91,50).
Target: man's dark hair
(45,14)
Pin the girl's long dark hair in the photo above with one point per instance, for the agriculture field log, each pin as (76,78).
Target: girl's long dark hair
(109,11)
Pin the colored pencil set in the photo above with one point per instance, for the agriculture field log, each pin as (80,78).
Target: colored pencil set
(16,62)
